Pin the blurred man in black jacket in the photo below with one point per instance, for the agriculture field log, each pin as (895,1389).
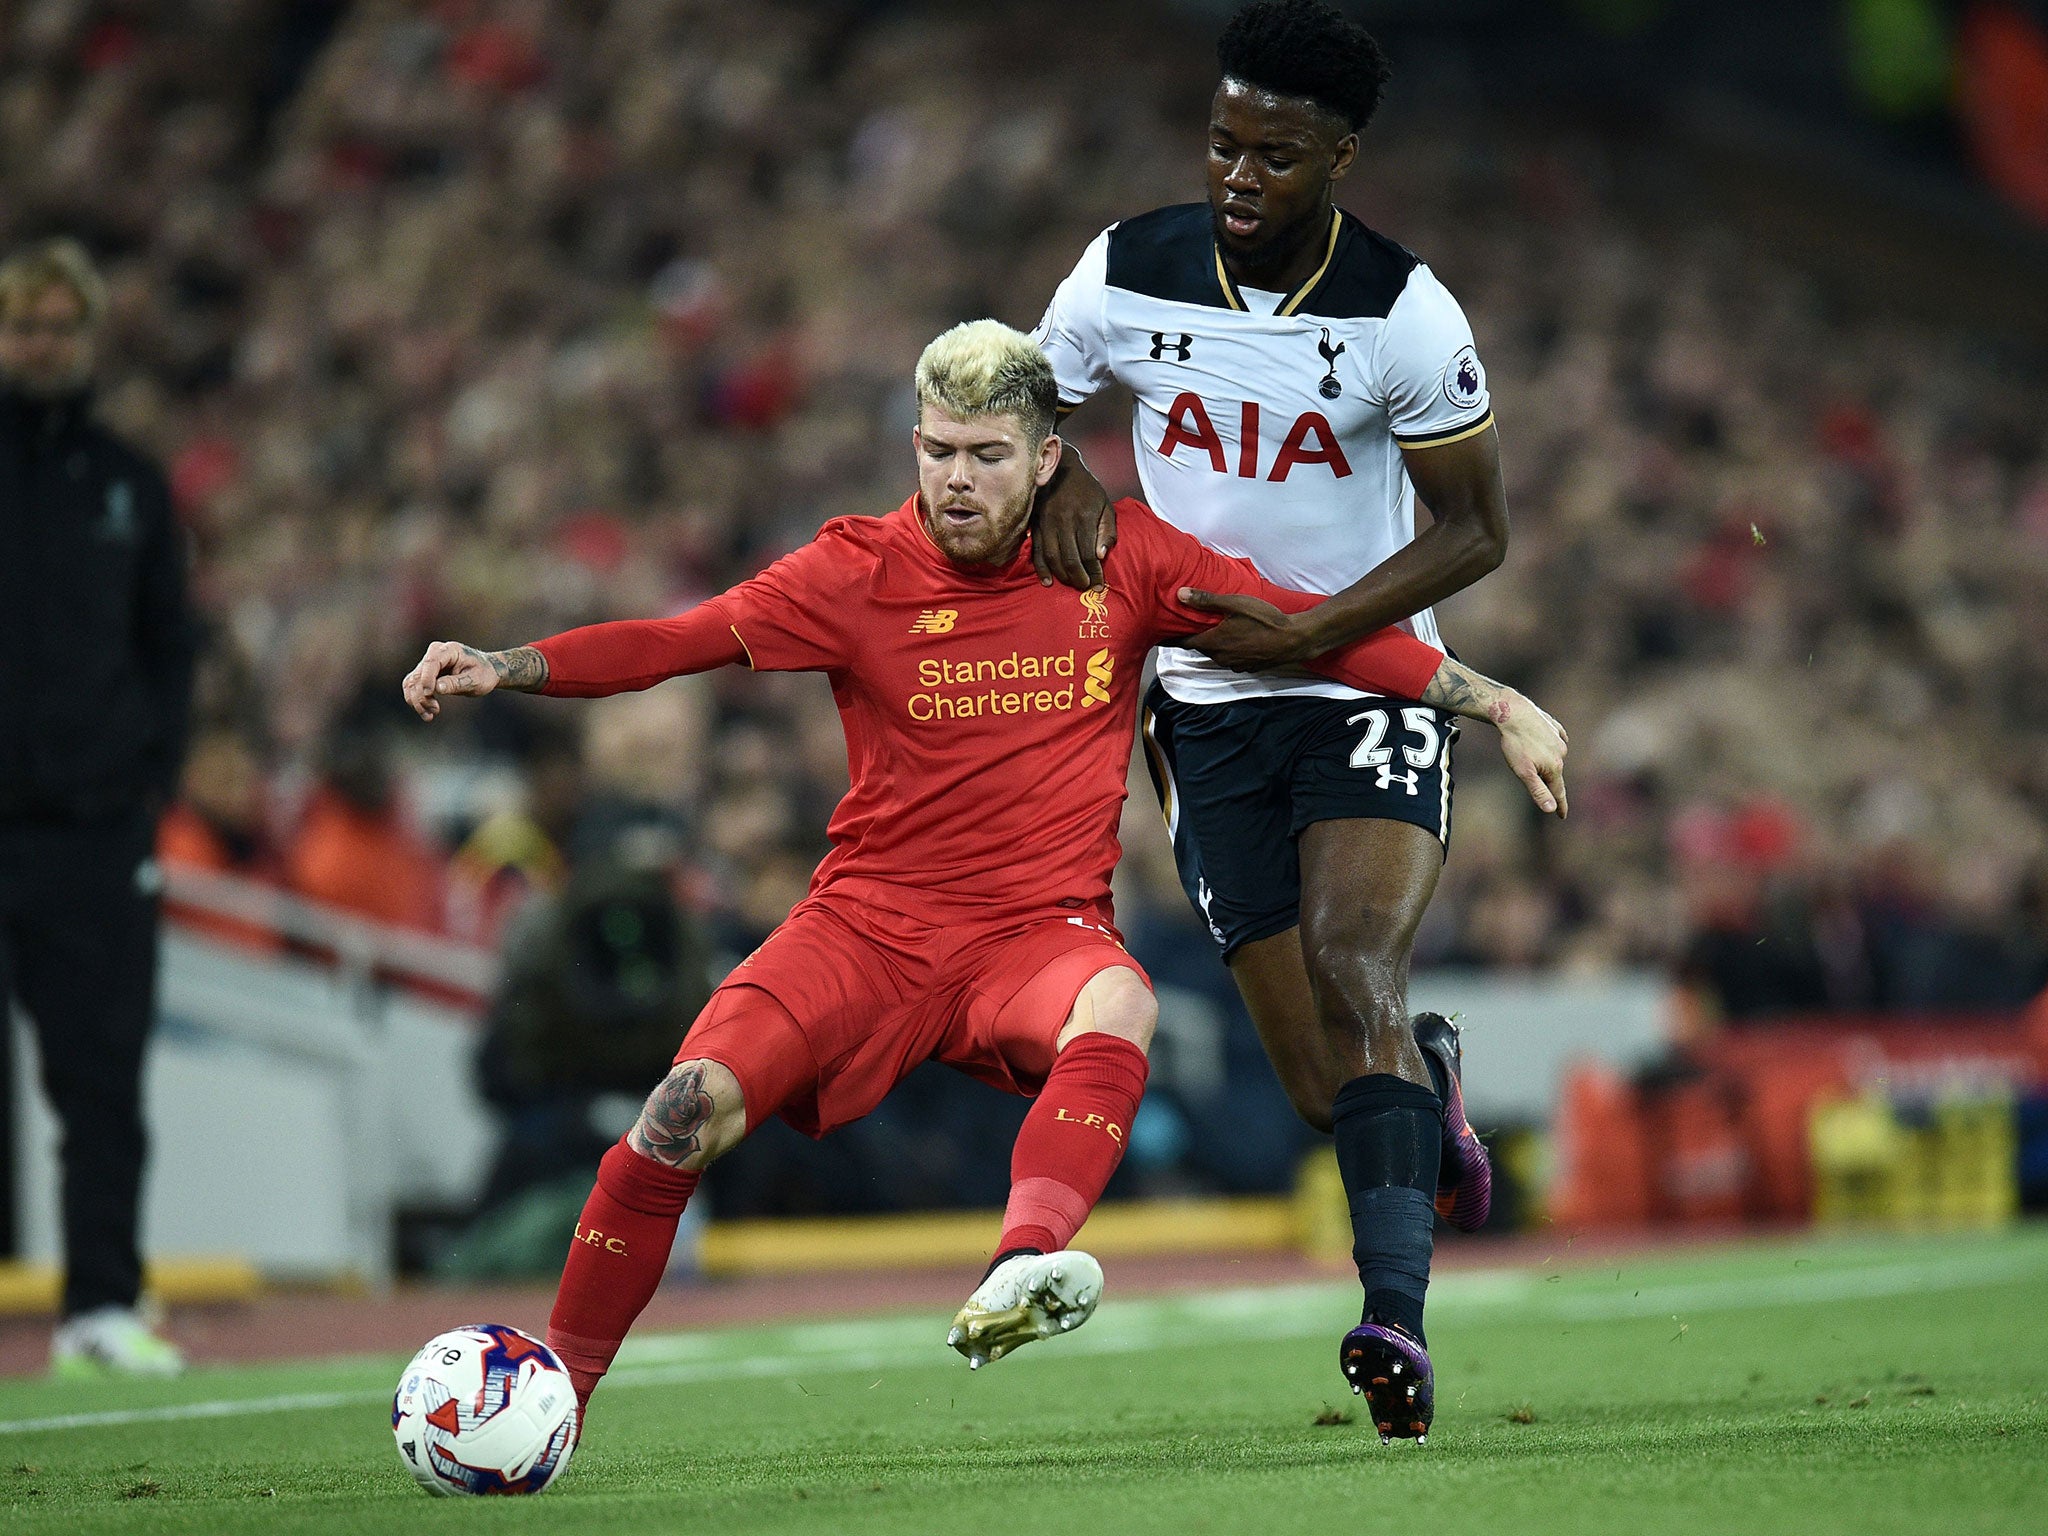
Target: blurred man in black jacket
(94,696)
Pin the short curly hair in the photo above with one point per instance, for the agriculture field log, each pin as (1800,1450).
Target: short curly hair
(1309,49)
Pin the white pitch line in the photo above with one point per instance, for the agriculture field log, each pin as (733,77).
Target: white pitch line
(1250,1314)
(224,1408)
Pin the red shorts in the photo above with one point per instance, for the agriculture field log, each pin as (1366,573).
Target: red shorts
(875,993)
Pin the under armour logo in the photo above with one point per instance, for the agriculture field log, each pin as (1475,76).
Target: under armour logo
(1330,389)
(1180,347)
(1388,778)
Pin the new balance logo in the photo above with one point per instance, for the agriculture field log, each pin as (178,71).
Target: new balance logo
(935,621)
(1181,345)
(1101,666)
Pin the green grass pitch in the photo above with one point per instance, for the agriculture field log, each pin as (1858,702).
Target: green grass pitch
(1798,1386)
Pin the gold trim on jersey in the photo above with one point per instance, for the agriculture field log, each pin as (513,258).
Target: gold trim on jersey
(1329,255)
(1455,435)
(1223,279)
(1293,301)
(744,646)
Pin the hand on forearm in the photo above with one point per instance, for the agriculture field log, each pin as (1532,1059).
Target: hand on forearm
(1443,560)
(1460,485)
(1254,635)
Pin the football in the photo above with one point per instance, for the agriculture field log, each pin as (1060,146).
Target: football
(484,1409)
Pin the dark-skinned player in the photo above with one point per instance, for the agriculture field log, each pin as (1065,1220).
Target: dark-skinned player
(953,919)
(1306,391)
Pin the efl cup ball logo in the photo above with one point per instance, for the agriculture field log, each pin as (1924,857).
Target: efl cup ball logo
(484,1410)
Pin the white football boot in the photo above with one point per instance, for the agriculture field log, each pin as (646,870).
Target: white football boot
(111,1341)
(1033,1296)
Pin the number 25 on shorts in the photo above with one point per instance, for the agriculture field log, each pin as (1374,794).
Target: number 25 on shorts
(1372,752)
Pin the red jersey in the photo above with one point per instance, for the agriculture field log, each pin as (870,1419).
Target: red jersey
(988,718)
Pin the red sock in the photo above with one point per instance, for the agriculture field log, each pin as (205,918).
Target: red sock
(1072,1141)
(621,1249)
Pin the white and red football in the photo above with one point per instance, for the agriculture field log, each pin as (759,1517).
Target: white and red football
(484,1409)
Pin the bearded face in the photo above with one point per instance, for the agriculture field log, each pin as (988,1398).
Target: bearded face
(976,476)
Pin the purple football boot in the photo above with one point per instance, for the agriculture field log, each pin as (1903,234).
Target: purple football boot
(1392,1372)
(1464,1185)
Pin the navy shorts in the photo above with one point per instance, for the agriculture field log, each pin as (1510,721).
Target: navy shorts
(1238,782)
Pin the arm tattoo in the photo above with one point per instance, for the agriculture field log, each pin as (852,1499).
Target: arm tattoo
(671,1126)
(1458,690)
(522,669)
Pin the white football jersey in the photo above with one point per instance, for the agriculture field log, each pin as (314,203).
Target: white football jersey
(1271,425)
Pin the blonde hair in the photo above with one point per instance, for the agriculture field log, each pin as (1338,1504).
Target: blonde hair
(983,368)
(61,263)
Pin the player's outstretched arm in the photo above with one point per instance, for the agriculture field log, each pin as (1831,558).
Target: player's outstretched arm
(1533,743)
(1385,660)
(1191,585)
(592,662)
(1460,483)
(451,668)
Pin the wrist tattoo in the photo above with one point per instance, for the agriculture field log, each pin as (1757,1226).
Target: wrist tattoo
(1458,690)
(522,669)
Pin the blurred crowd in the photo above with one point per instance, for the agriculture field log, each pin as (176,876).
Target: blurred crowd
(478,319)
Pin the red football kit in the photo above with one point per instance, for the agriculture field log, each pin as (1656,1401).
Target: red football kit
(965,903)
(988,725)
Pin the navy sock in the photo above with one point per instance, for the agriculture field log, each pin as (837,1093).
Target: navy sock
(1389,1143)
